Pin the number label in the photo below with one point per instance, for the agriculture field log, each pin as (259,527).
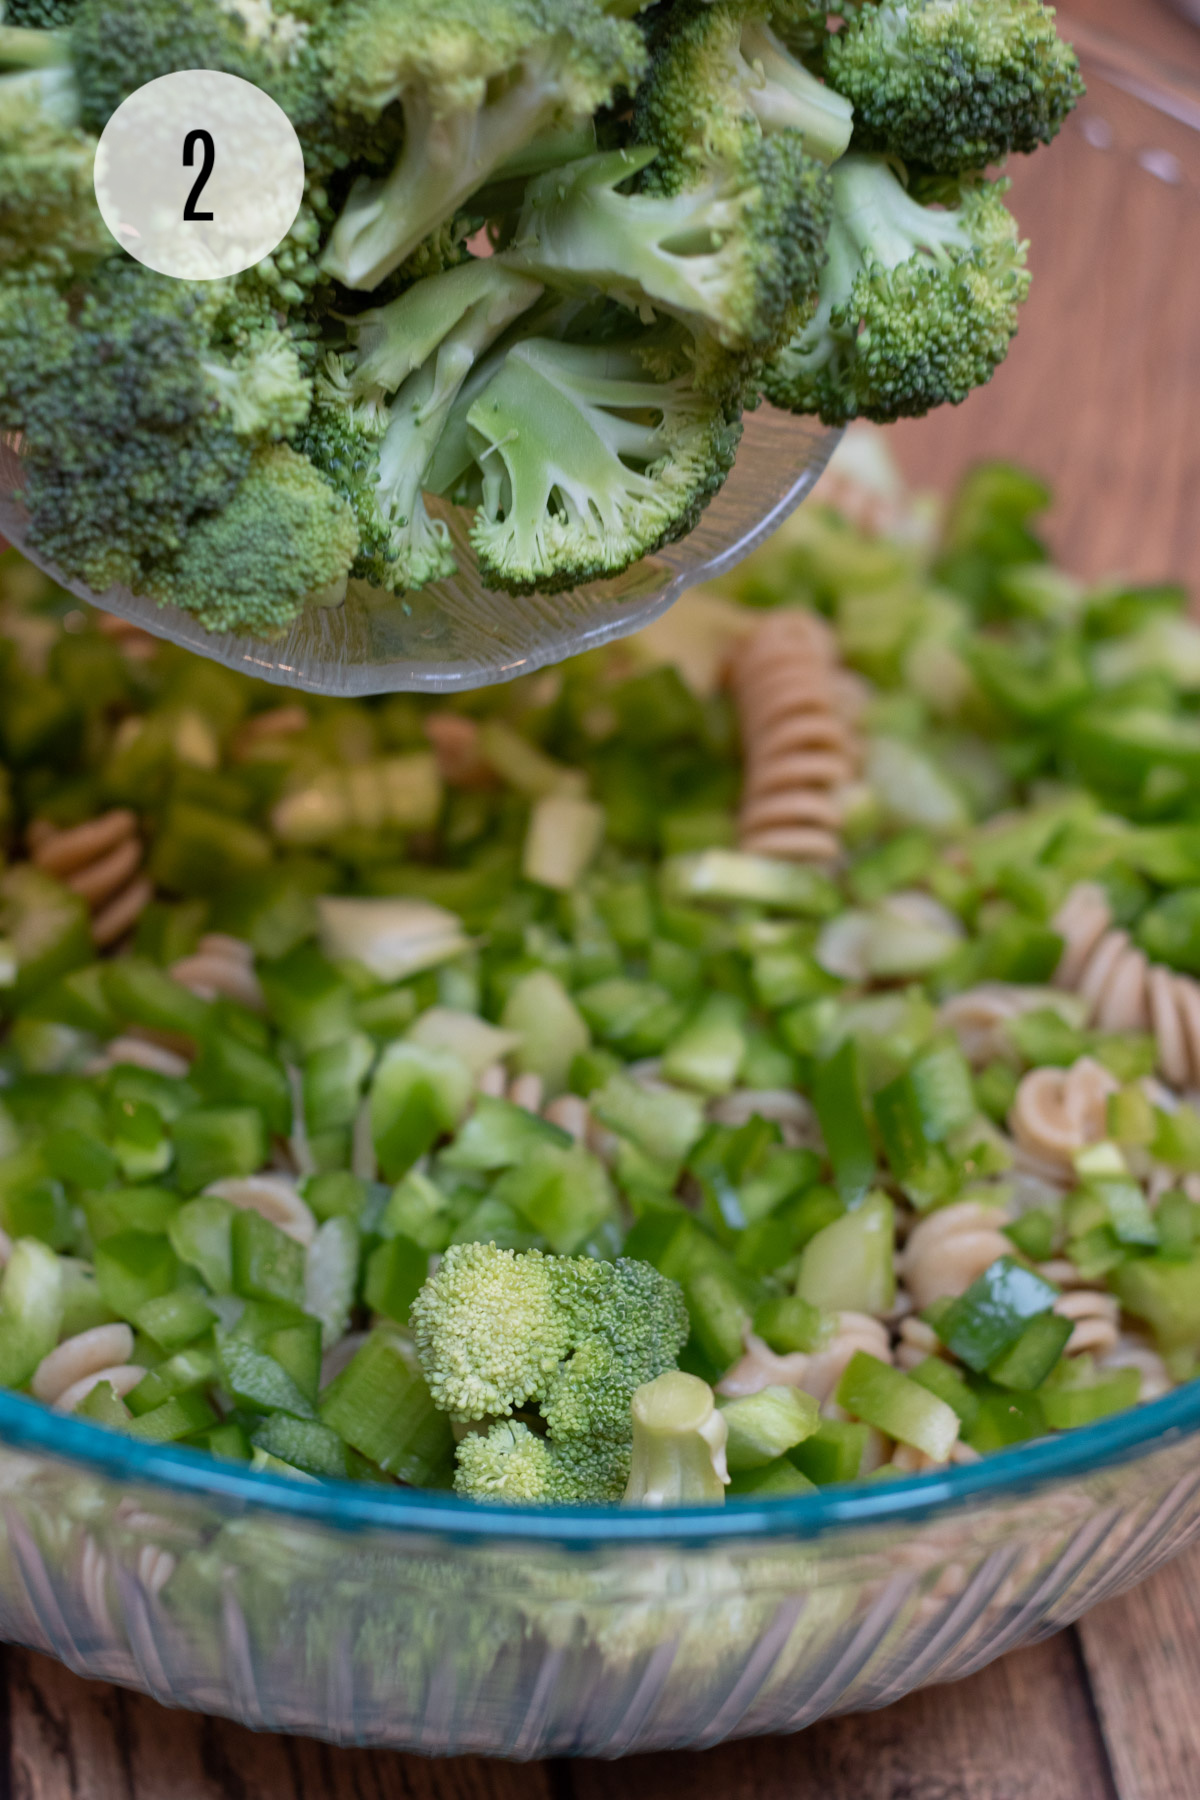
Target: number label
(193,138)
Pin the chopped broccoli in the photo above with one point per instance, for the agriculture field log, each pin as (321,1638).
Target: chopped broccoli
(383,410)
(733,256)
(721,72)
(476,85)
(954,84)
(499,1331)
(589,462)
(917,306)
(41,15)
(49,221)
(678,1444)
(284,539)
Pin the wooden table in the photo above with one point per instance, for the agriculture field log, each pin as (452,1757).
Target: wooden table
(1105,1711)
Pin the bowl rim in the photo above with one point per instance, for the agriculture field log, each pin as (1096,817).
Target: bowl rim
(25,1424)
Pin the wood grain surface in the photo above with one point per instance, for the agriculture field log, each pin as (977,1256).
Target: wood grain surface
(1100,395)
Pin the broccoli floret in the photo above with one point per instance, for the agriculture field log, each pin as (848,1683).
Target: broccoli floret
(41,15)
(499,1331)
(954,84)
(261,387)
(383,409)
(475,85)
(734,256)
(678,1444)
(589,461)
(721,72)
(49,221)
(917,306)
(285,539)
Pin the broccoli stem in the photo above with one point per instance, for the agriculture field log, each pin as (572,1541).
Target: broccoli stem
(678,1444)
(788,98)
(882,220)
(24,49)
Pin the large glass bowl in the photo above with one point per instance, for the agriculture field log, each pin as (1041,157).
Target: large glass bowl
(459,634)
(381,1616)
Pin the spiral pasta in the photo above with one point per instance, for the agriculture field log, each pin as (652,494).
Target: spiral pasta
(949,1249)
(798,748)
(221,967)
(979,1018)
(66,1377)
(100,861)
(1057,1112)
(274,1198)
(1124,990)
(1095,1317)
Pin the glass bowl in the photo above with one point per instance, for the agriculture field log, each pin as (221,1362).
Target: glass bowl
(458,634)
(409,1619)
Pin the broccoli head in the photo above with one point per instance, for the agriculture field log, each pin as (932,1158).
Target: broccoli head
(284,540)
(589,460)
(564,1340)
(49,221)
(954,84)
(734,257)
(383,407)
(720,72)
(41,15)
(917,305)
(475,86)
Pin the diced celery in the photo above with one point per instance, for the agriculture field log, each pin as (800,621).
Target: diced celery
(980,1325)
(103,1407)
(1128,1213)
(385,1015)
(201,1235)
(140,1141)
(216,1142)
(396,1272)
(564,1194)
(334,1078)
(381,1407)
(726,876)
(140,994)
(1165,1292)
(257,1380)
(771,1481)
(228,1442)
(521,764)
(46,928)
(912,787)
(133,1267)
(493,1221)
(392,938)
(296,1347)
(331,1276)
(550,1027)
(787,1323)
(838,1102)
(83,1305)
(1034,1233)
(763,1426)
(182,1416)
(267,1263)
(419,1210)
(129,1209)
(849,1265)
(38,1208)
(77,1000)
(336,1195)
(879,1395)
(175,1319)
(132,1087)
(499,1135)
(31,1310)
(198,850)
(228,1071)
(833,1453)
(417,1096)
(1075,1395)
(310,1002)
(193,1367)
(1178,1222)
(1004,1418)
(562,839)
(663,1125)
(708,1052)
(303,1444)
(639,1018)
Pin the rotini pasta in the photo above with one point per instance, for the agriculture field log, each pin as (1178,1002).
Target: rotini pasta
(1095,1317)
(1123,989)
(979,1018)
(1057,1112)
(221,967)
(274,1198)
(949,1249)
(66,1377)
(798,748)
(100,861)
(455,742)
(817,1372)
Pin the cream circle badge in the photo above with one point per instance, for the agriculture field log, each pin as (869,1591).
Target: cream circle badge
(199,175)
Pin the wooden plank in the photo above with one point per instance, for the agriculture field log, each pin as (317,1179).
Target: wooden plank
(82,1740)
(1022,1729)
(1142,1652)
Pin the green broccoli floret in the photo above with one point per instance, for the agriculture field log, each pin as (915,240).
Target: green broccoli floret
(284,540)
(720,72)
(590,460)
(954,84)
(41,15)
(475,85)
(917,306)
(678,1444)
(49,220)
(735,256)
(383,408)
(562,1339)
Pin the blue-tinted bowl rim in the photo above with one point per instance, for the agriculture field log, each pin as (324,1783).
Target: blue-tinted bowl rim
(349,1506)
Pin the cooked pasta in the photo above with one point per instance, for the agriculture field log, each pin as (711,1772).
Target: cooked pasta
(101,861)
(1095,1316)
(979,1018)
(798,748)
(66,1377)
(274,1198)
(1056,1113)
(1123,989)
(949,1249)
(221,967)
